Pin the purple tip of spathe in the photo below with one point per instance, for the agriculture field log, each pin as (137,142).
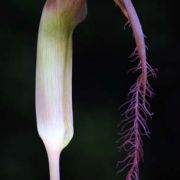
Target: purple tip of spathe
(134,123)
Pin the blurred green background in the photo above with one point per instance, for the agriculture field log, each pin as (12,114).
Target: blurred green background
(100,86)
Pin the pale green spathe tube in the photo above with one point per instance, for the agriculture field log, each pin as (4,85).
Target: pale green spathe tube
(54,76)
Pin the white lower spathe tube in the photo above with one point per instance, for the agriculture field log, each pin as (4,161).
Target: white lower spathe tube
(54,76)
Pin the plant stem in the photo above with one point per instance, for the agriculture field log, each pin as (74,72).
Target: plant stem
(54,167)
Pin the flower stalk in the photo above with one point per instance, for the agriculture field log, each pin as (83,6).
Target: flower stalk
(54,76)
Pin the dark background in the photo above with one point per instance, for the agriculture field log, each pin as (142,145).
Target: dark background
(100,86)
